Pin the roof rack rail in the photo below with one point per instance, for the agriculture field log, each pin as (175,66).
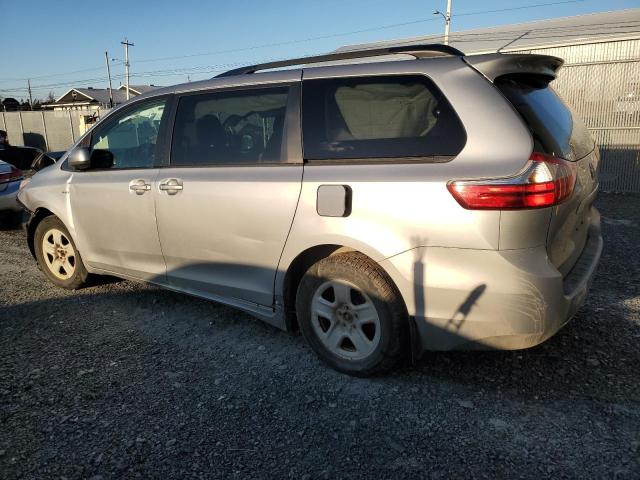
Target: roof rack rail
(418,51)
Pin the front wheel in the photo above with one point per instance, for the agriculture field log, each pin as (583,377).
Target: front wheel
(352,315)
(57,255)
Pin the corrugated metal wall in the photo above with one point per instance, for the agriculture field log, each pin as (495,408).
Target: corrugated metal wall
(602,82)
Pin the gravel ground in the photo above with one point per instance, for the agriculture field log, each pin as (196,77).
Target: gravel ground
(125,380)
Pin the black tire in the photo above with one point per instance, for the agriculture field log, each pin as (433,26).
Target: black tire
(79,275)
(361,272)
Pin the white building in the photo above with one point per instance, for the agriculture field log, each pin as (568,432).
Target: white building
(95,98)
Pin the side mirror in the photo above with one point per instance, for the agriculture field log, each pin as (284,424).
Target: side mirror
(80,158)
(84,159)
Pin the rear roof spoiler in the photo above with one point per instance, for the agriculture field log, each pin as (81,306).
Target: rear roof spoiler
(495,65)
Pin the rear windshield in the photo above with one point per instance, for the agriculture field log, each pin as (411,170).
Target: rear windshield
(555,128)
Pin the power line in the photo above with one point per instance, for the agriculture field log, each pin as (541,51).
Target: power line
(540,33)
(53,74)
(152,73)
(149,73)
(311,39)
(537,34)
(531,35)
(522,7)
(586,26)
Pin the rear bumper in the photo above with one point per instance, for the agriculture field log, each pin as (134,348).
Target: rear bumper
(8,197)
(486,299)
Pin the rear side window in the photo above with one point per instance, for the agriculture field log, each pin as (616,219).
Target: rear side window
(378,118)
(555,128)
(227,128)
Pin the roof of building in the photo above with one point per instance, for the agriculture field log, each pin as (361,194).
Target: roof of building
(140,89)
(100,95)
(616,25)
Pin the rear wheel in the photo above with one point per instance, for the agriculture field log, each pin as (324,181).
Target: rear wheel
(57,255)
(351,315)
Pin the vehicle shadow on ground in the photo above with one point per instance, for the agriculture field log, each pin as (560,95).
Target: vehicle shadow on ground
(584,345)
(580,356)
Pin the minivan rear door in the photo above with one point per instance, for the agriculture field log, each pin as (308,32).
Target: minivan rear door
(227,200)
(558,131)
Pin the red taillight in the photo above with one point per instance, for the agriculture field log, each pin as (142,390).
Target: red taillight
(10,176)
(545,181)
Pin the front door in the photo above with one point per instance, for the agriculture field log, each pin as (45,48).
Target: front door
(113,208)
(227,201)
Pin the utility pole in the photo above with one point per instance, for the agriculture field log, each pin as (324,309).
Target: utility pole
(30,97)
(126,63)
(447,21)
(106,58)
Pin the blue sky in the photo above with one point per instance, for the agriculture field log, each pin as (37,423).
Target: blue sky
(62,43)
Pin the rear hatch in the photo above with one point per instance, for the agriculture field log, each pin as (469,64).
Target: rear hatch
(558,131)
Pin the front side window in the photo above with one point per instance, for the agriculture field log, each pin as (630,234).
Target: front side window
(378,117)
(132,138)
(233,127)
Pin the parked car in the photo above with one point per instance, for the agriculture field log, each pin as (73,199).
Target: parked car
(10,179)
(27,158)
(17,165)
(384,208)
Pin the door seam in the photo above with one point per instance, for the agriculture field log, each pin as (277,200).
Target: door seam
(154,192)
(284,245)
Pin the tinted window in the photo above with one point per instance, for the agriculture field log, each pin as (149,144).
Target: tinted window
(378,117)
(132,137)
(555,128)
(230,127)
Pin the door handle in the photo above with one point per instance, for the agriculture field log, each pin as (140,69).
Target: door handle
(171,186)
(139,186)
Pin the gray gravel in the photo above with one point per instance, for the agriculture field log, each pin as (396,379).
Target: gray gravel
(125,380)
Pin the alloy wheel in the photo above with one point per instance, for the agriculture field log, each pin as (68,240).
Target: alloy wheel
(58,254)
(345,320)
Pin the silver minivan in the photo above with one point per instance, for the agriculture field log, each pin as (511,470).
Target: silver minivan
(385,202)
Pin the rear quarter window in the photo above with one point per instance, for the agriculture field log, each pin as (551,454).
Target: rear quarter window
(556,129)
(378,118)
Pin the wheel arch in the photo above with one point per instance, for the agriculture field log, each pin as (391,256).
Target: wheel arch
(37,217)
(302,262)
